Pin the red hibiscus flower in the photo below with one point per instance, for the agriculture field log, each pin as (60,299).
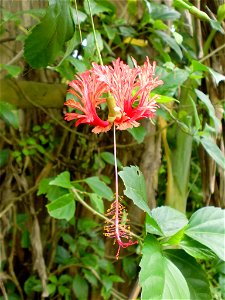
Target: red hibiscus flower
(88,91)
(131,89)
(128,95)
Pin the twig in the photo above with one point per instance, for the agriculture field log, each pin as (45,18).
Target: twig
(2,287)
(11,256)
(212,53)
(15,58)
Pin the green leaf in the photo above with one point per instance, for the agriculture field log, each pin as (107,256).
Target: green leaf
(172,80)
(97,7)
(164,99)
(163,12)
(116,278)
(97,202)
(51,288)
(62,208)
(170,41)
(111,32)
(78,16)
(32,284)
(205,99)
(216,25)
(159,277)
(91,42)
(138,133)
(78,64)
(62,180)
(70,47)
(221,13)
(175,286)
(135,186)
(207,226)
(196,249)
(8,114)
(99,187)
(195,277)
(109,158)
(213,150)
(48,37)
(169,220)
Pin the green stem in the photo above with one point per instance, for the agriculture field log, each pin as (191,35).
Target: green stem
(193,10)
(94,32)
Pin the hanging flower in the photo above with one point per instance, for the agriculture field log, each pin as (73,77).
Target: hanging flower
(88,90)
(128,92)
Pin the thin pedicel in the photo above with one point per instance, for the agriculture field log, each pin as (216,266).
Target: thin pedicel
(118,229)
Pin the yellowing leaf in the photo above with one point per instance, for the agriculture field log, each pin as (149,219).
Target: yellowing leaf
(135,42)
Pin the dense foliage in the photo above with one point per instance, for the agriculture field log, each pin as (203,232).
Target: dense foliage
(57,180)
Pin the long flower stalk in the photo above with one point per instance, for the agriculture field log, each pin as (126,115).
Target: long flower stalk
(118,228)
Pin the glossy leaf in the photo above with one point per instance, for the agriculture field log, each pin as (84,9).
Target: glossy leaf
(195,277)
(62,208)
(135,186)
(62,180)
(207,226)
(99,187)
(159,277)
(196,249)
(48,37)
(169,220)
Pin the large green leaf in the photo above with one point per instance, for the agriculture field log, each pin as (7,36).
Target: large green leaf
(159,277)
(152,275)
(207,226)
(213,150)
(195,277)
(62,208)
(62,180)
(48,37)
(134,182)
(196,249)
(169,220)
(99,187)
